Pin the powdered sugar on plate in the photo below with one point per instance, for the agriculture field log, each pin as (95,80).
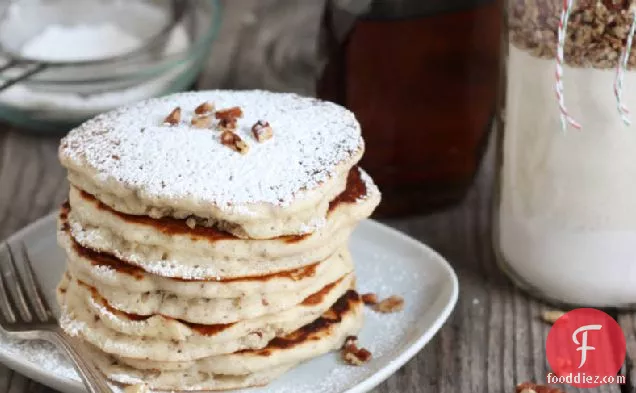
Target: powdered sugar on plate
(39,353)
(131,147)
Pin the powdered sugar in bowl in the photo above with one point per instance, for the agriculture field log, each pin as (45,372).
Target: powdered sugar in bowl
(146,48)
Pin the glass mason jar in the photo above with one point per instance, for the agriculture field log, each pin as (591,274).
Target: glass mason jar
(566,202)
(565,212)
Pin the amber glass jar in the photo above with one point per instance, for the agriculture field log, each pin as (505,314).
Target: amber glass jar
(421,77)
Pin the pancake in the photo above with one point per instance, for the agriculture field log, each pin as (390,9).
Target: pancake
(328,332)
(103,270)
(162,327)
(164,339)
(134,163)
(159,381)
(325,334)
(169,247)
(212,310)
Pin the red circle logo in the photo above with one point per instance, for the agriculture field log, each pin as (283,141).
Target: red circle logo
(586,348)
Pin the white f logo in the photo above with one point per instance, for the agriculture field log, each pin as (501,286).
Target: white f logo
(584,348)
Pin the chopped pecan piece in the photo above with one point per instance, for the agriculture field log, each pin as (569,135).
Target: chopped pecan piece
(529,387)
(228,124)
(204,108)
(370,299)
(136,388)
(391,304)
(201,121)
(231,113)
(174,117)
(191,222)
(353,355)
(233,141)
(551,316)
(262,131)
(351,342)
(357,358)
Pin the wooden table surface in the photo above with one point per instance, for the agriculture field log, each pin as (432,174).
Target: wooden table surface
(493,340)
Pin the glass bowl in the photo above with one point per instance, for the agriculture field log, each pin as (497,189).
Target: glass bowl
(68,93)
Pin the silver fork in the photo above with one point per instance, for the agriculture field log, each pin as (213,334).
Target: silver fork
(26,315)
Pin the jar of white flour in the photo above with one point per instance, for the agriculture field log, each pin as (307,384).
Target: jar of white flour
(566,200)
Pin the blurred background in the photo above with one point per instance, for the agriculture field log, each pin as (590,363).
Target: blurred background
(421,76)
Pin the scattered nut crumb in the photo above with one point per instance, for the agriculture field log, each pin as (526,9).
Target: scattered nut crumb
(370,299)
(529,387)
(231,113)
(191,222)
(233,141)
(136,388)
(201,121)
(551,316)
(228,124)
(353,355)
(262,131)
(350,342)
(356,358)
(391,304)
(174,117)
(115,157)
(204,108)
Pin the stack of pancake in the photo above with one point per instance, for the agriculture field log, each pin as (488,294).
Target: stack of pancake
(195,266)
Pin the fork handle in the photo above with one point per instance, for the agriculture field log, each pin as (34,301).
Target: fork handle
(75,349)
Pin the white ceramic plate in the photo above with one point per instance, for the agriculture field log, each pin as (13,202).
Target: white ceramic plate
(387,263)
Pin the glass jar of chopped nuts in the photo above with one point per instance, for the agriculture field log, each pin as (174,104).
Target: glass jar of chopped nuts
(565,213)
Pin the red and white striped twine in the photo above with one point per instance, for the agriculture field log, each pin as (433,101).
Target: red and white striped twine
(563,25)
(620,70)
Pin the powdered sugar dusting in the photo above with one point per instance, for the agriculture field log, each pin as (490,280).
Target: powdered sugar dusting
(41,354)
(313,225)
(71,326)
(385,265)
(131,147)
(103,271)
(371,187)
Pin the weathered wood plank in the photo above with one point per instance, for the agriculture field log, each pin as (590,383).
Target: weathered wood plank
(627,320)
(32,182)
(19,384)
(5,378)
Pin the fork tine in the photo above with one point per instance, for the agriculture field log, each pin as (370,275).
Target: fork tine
(5,304)
(12,282)
(33,289)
